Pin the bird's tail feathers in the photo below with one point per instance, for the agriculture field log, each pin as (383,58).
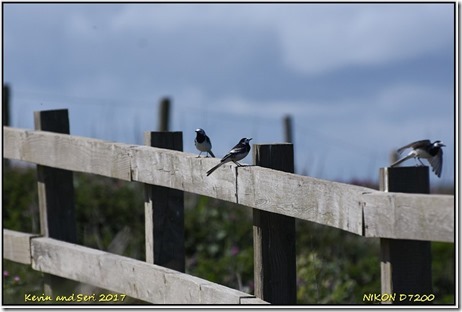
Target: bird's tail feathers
(211,154)
(214,168)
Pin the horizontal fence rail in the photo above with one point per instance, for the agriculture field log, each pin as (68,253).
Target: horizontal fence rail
(355,209)
(137,279)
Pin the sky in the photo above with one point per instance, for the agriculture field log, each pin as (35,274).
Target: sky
(359,80)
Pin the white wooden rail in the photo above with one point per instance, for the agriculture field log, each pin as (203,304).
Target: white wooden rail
(355,209)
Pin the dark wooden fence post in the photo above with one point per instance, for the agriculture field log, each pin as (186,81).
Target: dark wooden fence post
(164,212)
(6,105)
(56,194)
(406,267)
(274,236)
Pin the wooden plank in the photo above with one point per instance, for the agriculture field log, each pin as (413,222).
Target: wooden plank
(13,142)
(253,300)
(325,202)
(330,203)
(164,212)
(68,152)
(274,236)
(183,171)
(137,279)
(409,216)
(16,246)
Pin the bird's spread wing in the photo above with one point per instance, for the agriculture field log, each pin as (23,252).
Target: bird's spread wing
(437,162)
(416,144)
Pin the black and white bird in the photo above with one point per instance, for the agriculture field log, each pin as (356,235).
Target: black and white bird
(203,143)
(237,153)
(424,149)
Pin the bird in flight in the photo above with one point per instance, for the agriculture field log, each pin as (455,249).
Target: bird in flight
(432,152)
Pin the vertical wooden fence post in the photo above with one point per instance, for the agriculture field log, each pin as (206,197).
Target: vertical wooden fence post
(274,236)
(288,129)
(6,105)
(406,267)
(164,114)
(164,212)
(56,193)
(6,114)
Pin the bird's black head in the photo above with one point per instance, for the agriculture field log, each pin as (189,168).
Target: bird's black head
(438,143)
(245,141)
(200,131)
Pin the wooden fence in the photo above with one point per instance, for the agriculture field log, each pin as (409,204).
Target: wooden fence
(276,197)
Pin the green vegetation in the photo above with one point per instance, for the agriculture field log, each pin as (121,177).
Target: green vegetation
(333,266)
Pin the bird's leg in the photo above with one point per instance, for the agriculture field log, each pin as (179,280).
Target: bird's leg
(198,156)
(420,162)
(207,155)
(237,164)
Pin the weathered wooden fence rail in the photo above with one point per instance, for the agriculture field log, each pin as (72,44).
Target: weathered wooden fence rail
(277,199)
(355,209)
(138,279)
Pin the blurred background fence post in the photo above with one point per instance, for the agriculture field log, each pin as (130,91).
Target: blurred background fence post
(288,133)
(6,114)
(164,114)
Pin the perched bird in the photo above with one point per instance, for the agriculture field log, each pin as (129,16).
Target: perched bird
(424,149)
(237,153)
(203,143)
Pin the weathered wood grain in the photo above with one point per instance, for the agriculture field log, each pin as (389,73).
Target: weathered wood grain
(409,216)
(16,246)
(183,171)
(68,152)
(329,203)
(253,300)
(134,278)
